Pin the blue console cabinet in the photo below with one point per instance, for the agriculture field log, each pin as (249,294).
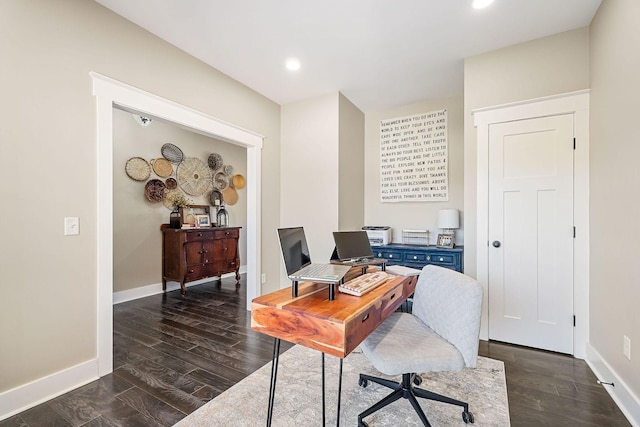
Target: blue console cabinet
(417,256)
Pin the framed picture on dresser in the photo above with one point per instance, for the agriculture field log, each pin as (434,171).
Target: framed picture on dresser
(189,213)
(203,221)
(445,241)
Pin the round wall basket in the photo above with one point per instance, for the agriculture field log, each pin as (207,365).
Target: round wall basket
(162,167)
(220,181)
(215,161)
(194,176)
(138,169)
(154,190)
(238,182)
(172,153)
(230,196)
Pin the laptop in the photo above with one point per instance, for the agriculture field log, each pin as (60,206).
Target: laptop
(297,260)
(353,247)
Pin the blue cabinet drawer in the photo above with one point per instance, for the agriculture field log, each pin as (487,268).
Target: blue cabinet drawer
(441,259)
(391,255)
(420,257)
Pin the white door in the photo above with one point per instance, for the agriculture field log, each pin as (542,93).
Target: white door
(531,232)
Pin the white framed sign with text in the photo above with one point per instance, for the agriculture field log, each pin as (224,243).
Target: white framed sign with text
(414,158)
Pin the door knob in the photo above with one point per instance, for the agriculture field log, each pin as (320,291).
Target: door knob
(496,244)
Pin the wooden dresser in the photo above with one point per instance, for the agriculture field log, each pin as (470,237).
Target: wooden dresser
(194,254)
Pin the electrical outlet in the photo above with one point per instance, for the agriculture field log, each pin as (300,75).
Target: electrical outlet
(264,278)
(626,347)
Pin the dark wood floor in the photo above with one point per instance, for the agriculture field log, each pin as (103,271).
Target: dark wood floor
(172,354)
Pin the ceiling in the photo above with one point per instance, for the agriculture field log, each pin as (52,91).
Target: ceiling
(378,53)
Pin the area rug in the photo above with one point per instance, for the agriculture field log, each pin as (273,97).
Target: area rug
(298,399)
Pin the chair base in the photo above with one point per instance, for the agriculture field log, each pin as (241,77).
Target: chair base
(407,390)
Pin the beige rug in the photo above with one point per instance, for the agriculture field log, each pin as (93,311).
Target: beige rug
(298,400)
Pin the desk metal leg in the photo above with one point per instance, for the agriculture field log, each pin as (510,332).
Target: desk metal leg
(339,394)
(274,375)
(323,394)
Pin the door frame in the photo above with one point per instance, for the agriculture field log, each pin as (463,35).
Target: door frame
(109,94)
(576,103)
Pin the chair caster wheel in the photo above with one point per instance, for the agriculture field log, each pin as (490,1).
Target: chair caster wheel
(467,417)
(363,383)
(417,379)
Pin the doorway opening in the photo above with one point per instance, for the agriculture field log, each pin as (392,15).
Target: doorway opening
(110,93)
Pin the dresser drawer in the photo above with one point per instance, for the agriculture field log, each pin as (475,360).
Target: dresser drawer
(361,326)
(198,235)
(227,234)
(391,301)
(195,272)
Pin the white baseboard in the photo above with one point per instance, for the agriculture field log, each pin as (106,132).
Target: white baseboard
(621,394)
(39,391)
(156,288)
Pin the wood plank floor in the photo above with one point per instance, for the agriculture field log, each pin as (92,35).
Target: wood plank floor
(173,354)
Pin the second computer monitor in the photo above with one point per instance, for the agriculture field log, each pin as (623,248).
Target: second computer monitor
(352,245)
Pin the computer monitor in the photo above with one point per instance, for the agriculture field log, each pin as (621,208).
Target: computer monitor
(295,252)
(352,245)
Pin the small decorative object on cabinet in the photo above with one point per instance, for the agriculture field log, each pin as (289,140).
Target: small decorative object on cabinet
(417,256)
(203,221)
(222,218)
(194,254)
(445,241)
(174,218)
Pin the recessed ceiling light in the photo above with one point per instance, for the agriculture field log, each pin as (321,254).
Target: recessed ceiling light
(292,64)
(481,4)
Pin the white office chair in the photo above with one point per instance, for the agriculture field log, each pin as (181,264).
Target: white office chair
(441,334)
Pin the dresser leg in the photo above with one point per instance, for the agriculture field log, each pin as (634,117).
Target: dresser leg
(183,288)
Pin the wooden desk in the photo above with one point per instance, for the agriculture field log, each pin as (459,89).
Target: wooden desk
(334,327)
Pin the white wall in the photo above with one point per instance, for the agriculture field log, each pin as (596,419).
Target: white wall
(615,207)
(414,215)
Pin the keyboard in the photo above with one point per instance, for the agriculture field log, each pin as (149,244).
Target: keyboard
(365,283)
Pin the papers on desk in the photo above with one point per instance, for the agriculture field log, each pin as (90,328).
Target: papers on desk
(401,270)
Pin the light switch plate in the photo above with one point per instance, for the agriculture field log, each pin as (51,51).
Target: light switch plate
(71,226)
(626,347)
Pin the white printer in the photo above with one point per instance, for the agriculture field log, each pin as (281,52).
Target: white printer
(378,234)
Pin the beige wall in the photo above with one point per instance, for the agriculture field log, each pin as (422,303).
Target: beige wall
(137,240)
(48,314)
(547,66)
(414,215)
(309,174)
(615,209)
(351,166)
